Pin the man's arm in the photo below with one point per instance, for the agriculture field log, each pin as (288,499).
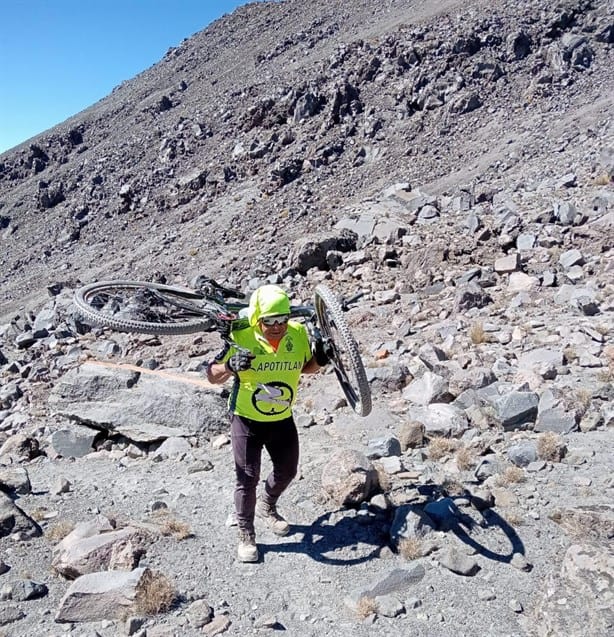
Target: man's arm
(311,367)
(217,373)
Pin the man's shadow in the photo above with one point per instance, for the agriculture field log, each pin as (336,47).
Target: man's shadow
(355,540)
(345,542)
(466,526)
(489,519)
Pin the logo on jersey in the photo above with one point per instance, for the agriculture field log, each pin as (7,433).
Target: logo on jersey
(272,399)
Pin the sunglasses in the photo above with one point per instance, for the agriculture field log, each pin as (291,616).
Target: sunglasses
(269,321)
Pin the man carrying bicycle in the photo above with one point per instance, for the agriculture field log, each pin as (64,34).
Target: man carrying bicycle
(266,360)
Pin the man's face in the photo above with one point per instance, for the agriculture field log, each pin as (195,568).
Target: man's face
(274,327)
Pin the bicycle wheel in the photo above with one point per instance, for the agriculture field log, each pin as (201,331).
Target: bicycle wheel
(146,308)
(344,352)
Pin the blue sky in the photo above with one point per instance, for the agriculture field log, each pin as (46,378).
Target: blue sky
(58,57)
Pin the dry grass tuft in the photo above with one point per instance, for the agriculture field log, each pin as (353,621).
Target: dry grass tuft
(584,398)
(515,518)
(570,354)
(439,447)
(411,548)
(179,530)
(309,403)
(551,446)
(606,374)
(155,594)
(477,333)
(38,514)
(171,526)
(59,530)
(512,475)
(585,492)
(465,459)
(452,488)
(366,606)
(602,329)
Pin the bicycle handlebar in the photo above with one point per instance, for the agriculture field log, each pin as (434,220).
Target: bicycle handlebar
(212,288)
(345,303)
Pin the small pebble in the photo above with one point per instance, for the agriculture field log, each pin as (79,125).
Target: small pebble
(515,605)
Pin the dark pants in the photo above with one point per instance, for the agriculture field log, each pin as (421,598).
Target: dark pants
(280,439)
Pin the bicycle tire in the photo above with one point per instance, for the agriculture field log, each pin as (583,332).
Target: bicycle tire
(345,354)
(94,305)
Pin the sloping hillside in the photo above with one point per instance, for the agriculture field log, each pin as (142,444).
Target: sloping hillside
(453,163)
(262,127)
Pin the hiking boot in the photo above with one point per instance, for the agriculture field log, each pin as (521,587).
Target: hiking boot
(247,551)
(268,513)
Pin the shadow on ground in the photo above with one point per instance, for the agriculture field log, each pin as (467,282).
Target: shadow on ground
(472,529)
(355,540)
(490,520)
(345,542)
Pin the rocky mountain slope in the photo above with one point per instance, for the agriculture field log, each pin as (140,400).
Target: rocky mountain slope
(451,161)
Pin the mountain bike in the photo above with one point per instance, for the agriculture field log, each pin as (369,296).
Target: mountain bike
(155,308)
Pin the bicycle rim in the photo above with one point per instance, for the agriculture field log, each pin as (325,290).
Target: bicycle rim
(345,354)
(145,308)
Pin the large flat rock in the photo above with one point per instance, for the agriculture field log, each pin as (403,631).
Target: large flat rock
(141,406)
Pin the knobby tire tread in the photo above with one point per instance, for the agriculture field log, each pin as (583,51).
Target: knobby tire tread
(93,316)
(326,302)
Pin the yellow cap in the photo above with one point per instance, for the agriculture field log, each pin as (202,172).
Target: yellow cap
(267,300)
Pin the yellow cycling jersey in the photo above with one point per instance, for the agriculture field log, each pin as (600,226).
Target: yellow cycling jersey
(267,390)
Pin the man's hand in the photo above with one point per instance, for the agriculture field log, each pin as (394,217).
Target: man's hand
(318,351)
(240,361)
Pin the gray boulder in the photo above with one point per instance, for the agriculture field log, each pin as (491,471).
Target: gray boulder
(383,447)
(72,444)
(467,379)
(109,595)
(588,607)
(410,521)
(515,409)
(348,477)
(428,388)
(15,481)
(141,407)
(556,419)
(565,212)
(312,252)
(458,562)
(440,419)
(15,521)
(470,296)
(541,356)
(569,258)
(396,581)
(112,550)
(523,453)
